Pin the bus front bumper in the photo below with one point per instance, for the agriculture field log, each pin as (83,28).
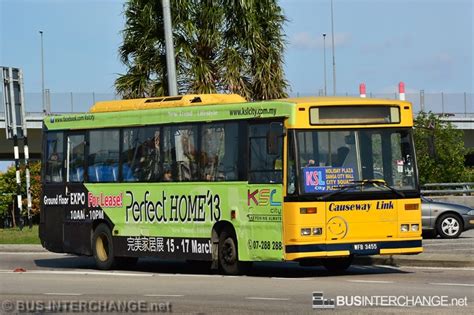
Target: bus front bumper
(407,247)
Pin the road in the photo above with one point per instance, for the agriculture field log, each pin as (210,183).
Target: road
(464,245)
(269,287)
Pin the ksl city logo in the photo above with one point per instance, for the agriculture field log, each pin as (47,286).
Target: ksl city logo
(262,197)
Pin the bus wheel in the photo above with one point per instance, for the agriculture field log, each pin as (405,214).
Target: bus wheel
(228,255)
(337,264)
(102,247)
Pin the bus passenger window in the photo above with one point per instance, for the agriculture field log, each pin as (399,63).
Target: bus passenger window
(141,154)
(186,152)
(75,148)
(54,157)
(103,156)
(212,152)
(169,154)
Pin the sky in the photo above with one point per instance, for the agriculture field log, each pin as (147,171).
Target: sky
(428,44)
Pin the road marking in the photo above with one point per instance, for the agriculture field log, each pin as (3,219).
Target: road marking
(94,273)
(191,275)
(163,295)
(369,281)
(266,298)
(64,294)
(455,284)
(439,268)
(299,279)
(387,267)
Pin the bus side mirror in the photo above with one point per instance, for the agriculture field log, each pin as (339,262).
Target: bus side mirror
(276,131)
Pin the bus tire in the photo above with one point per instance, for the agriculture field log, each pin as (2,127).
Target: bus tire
(103,248)
(228,254)
(337,264)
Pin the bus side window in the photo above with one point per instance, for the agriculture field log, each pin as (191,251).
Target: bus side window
(54,157)
(218,152)
(185,138)
(103,155)
(169,154)
(75,151)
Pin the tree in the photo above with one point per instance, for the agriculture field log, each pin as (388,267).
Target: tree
(8,189)
(233,46)
(440,150)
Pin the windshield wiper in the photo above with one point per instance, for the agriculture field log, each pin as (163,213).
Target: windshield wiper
(341,190)
(362,183)
(381,183)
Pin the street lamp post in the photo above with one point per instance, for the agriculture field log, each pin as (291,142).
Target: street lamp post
(169,46)
(333,53)
(42,72)
(324,54)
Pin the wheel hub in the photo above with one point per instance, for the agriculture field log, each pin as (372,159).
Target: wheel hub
(450,226)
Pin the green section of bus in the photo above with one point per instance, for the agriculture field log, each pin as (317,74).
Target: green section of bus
(268,109)
(192,209)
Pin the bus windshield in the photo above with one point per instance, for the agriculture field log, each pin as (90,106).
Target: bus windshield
(334,160)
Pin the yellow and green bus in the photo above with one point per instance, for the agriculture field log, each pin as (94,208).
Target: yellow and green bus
(216,178)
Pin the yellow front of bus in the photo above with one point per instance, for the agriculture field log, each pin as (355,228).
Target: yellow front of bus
(351,182)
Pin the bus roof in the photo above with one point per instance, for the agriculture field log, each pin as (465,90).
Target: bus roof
(197,108)
(340,100)
(166,102)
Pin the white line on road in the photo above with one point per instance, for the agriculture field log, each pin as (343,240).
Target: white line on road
(163,295)
(192,275)
(64,294)
(266,298)
(439,268)
(71,272)
(300,279)
(455,284)
(369,281)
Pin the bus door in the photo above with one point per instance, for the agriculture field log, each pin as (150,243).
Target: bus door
(265,191)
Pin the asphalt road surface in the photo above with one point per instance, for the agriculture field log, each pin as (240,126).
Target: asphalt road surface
(51,279)
(463,245)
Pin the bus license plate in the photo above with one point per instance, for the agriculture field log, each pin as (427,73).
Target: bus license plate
(366,248)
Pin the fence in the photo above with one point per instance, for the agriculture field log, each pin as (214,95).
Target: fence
(448,189)
(459,104)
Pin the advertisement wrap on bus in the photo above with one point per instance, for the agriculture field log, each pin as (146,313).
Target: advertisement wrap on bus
(216,178)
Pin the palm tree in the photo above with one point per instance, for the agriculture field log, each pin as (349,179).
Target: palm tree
(220,45)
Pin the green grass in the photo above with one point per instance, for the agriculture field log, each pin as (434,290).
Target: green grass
(15,236)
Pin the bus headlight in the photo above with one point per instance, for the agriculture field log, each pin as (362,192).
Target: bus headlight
(305,231)
(415,227)
(404,227)
(317,231)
